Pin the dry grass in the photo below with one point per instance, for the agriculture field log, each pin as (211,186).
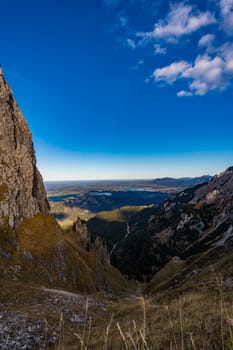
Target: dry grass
(121,214)
(189,319)
(186,318)
(191,310)
(39,235)
(45,255)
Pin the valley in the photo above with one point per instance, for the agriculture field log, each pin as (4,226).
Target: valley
(70,199)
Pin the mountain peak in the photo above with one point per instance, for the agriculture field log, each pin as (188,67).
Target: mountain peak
(22,193)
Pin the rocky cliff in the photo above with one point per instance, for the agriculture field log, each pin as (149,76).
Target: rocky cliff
(22,193)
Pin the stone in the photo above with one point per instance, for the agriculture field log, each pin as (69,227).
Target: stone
(4,253)
(229,282)
(22,192)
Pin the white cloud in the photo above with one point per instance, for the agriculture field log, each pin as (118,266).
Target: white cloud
(184,93)
(159,50)
(137,65)
(181,20)
(172,72)
(226,7)
(226,51)
(199,87)
(206,40)
(123,21)
(131,43)
(207,73)
(212,70)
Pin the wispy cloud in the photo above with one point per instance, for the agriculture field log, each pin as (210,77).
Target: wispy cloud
(137,65)
(181,20)
(184,93)
(172,72)
(226,7)
(206,40)
(159,50)
(123,20)
(131,43)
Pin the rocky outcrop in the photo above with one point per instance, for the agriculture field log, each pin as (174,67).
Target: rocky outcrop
(22,193)
(220,187)
(94,244)
(80,227)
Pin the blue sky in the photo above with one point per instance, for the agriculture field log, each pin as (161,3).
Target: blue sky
(123,89)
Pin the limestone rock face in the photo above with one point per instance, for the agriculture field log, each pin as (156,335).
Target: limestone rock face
(92,244)
(220,186)
(22,193)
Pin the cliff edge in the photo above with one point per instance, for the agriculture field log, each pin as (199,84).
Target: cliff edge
(22,192)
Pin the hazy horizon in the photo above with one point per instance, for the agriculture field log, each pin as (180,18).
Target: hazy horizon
(162,175)
(125,179)
(145,168)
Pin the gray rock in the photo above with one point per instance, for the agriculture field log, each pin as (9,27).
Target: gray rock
(4,254)
(22,193)
(28,255)
(229,282)
(20,331)
(81,227)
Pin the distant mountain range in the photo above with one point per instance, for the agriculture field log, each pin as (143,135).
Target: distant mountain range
(181,183)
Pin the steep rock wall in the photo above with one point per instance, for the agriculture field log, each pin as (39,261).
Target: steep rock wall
(22,193)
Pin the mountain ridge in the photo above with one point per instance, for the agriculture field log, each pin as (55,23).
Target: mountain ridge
(184,224)
(182,183)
